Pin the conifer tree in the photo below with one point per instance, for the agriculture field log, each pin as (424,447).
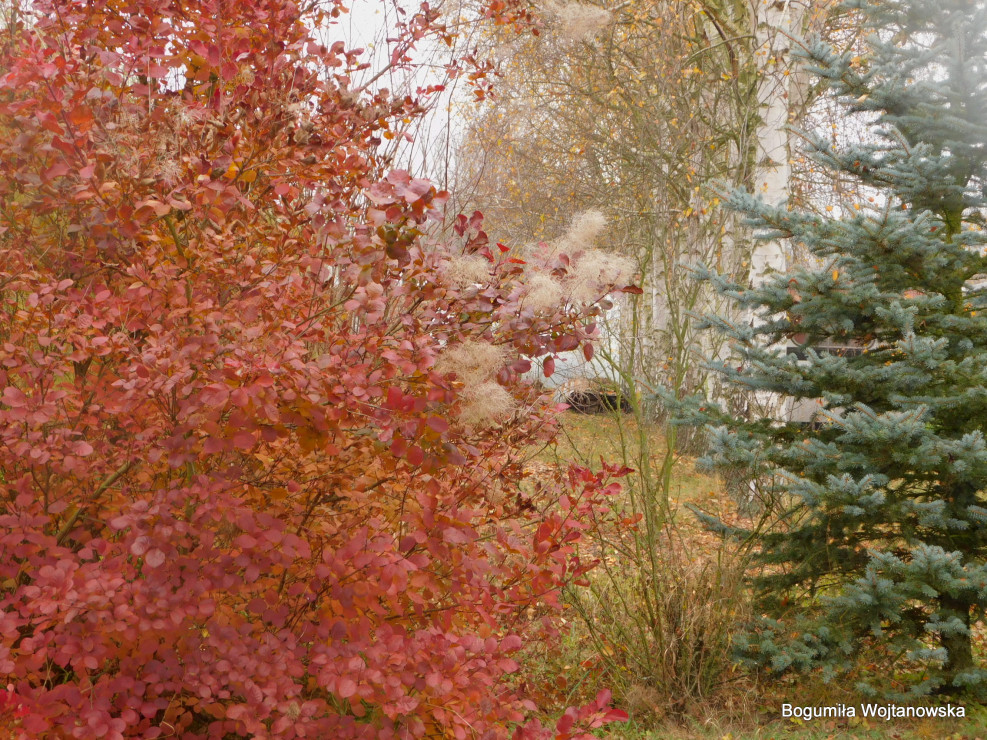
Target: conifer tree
(878,513)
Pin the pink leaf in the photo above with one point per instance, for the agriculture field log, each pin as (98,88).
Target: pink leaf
(154,558)
(14,397)
(215,395)
(346,687)
(437,423)
(140,545)
(566,720)
(455,536)
(244,440)
(616,715)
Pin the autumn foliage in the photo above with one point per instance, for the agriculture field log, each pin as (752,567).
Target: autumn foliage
(240,492)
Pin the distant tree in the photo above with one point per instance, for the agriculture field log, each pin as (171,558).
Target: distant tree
(878,516)
(631,109)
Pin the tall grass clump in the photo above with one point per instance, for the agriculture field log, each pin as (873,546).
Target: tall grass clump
(655,618)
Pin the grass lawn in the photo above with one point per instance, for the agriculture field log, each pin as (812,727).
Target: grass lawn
(586,438)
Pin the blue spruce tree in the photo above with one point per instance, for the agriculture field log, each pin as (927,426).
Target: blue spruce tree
(879,512)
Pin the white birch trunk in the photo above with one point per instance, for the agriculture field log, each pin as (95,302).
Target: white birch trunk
(776,23)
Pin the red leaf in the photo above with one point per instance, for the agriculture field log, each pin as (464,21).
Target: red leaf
(140,545)
(35,724)
(215,395)
(437,423)
(154,558)
(566,343)
(121,522)
(244,440)
(566,720)
(456,536)
(56,170)
(346,687)
(240,398)
(394,397)
(511,643)
(14,397)
(212,445)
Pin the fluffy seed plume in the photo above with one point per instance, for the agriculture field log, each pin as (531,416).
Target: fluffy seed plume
(475,364)
(578,21)
(585,230)
(486,404)
(544,293)
(170,170)
(582,233)
(594,272)
(467,270)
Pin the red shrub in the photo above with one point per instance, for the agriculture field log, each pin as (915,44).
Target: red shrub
(238,494)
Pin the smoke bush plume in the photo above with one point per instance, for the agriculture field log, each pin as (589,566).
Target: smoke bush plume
(595,271)
(475,365)
(467,270)
(578,21)
(544,292)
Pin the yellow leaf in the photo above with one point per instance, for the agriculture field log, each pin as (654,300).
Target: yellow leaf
(836,275)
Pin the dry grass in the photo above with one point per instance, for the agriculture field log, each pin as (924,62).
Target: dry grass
(654,621)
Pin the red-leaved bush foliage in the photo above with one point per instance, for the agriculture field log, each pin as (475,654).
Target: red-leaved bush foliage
(259,440)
